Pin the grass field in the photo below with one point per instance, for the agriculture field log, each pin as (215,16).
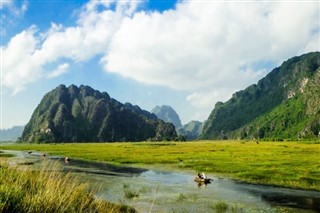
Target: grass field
(23,190)
(290,164)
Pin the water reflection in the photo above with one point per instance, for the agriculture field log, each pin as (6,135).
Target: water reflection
(202,185)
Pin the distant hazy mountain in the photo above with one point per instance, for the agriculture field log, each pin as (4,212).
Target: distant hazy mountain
(82,114)
(283,105)
(11,134)
(191,130)
(167,114)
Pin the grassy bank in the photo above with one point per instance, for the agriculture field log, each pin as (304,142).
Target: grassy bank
(42,191)
(290,164)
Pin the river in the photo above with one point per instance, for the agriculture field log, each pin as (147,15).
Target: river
(149,190)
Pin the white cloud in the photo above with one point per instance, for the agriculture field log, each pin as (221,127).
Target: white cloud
(19,66)
(16,8)
(203,46)
(92,34)
(27,53)
(208,49)
(61,69)
(204,100)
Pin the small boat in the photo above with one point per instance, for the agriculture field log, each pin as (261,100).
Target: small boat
(201,180)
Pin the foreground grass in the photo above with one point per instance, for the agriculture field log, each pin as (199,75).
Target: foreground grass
(290,164)
(43,191)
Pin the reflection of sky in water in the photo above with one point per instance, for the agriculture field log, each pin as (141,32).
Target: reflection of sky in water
(225,189)
(178,192)
(165,177)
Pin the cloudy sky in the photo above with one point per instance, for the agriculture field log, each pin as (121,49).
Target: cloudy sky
(186,54)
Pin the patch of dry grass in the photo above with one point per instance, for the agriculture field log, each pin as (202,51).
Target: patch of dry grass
(23,190)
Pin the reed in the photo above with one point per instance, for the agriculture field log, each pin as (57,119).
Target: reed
(48,191)
(220,207)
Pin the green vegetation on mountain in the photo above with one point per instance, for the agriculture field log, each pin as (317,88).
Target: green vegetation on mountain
(167,114)
(191,130)
(85,115)
(283,105)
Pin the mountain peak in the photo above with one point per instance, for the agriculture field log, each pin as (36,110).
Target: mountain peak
(167,114)
(82,114)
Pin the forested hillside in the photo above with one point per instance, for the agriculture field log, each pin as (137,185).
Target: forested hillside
(283,105)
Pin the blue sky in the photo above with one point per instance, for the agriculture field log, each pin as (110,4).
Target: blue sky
(186,54)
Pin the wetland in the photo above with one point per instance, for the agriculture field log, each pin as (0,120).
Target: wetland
(164,188)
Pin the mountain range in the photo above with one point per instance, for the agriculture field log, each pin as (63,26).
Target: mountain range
(82,114)
(11,134)
(189,131)
(283,105)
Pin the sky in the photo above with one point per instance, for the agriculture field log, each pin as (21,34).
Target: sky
(186,54)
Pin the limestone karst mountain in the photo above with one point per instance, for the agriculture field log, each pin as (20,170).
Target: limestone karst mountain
(82,114)
(283,105)
(167,114)
(191,130)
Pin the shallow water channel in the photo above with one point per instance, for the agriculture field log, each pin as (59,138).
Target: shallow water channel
(165,191)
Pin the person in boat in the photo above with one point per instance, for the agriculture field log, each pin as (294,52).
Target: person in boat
(203,176)
(199,175)
(66,159)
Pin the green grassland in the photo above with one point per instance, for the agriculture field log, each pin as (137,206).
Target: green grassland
(290,164)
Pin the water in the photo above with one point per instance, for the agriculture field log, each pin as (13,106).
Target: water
(162,191)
